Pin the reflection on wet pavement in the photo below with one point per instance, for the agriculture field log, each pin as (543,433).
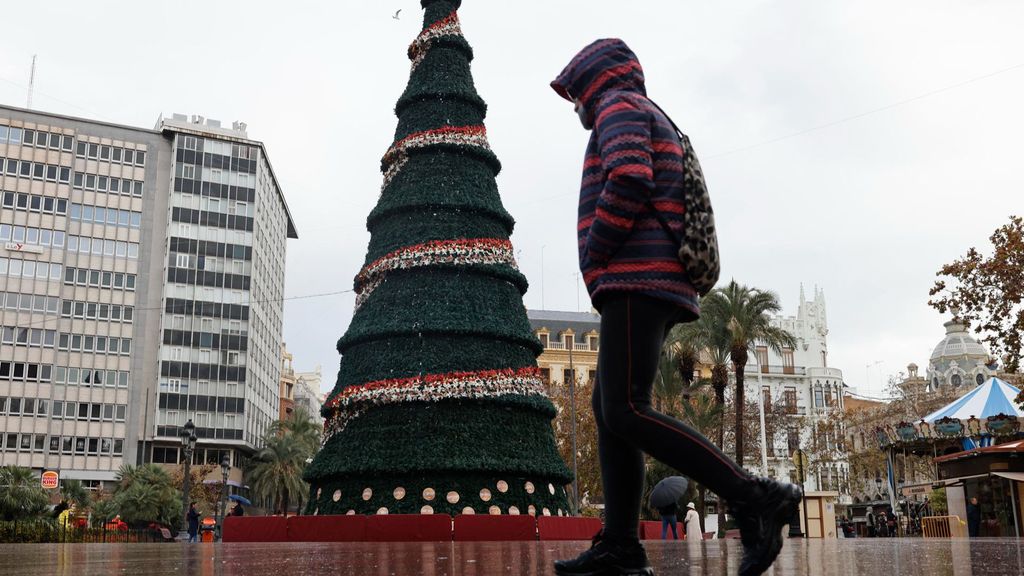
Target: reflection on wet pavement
(891,556)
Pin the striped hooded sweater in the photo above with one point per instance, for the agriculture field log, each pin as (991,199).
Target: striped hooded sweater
(633,156)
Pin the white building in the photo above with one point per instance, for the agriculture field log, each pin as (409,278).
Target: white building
(307,392)
(959,360)
(810,390)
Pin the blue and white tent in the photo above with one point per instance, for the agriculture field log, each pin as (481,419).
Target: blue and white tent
(991,398)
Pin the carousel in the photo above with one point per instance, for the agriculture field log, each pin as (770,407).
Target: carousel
(985,416)
(976,424)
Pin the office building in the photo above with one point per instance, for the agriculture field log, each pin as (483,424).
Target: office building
(141,280)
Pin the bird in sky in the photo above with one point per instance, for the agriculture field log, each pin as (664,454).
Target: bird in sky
(396,14)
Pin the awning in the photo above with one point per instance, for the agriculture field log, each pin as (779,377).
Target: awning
(926,487)
(1015,476)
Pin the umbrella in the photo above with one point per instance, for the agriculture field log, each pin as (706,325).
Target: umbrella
(668,491)
(241,499)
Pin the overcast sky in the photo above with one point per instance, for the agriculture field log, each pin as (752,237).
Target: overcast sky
(902,176)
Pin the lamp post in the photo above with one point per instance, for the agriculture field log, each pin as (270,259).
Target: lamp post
(188,444)
(572,403)
(225,469)
(900,511)
(760,410)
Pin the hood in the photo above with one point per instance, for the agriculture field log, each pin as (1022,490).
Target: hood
(602,66)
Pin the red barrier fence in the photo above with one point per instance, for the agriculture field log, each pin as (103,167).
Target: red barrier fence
(407,528)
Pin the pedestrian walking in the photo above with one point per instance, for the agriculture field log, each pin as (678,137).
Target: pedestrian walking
(668,520)
(692,523)
(973,518)
(643,210)
(882,525)
(237,509)
(193,522)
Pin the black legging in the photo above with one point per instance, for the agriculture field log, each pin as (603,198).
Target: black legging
(633,328)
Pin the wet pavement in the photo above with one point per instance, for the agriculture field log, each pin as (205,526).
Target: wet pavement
(720,557)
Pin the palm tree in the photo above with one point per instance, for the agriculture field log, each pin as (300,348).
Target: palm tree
(669,383)
(303,429)
(72,492)
(278,466)
(146,494)
(745,312)
(21,496)
(705,414)
(710,338)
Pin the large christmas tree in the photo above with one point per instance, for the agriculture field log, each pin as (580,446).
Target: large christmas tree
(439,406)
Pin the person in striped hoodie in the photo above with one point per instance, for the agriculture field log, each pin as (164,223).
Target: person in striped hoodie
(634,166)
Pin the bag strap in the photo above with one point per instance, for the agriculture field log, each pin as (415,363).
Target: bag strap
(664,224)
(669,118)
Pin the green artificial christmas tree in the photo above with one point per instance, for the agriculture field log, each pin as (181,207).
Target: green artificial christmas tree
(439,406)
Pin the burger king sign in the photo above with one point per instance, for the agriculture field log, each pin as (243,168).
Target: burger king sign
(50,479)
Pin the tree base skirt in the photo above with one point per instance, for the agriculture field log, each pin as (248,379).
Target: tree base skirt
(451,493)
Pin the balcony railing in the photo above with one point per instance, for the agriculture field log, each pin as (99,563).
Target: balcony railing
(577,347)
(796,410)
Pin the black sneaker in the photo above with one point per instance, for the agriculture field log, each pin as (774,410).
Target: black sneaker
(606,558)
(761,519)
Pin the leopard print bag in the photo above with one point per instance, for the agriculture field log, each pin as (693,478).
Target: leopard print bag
(698,248)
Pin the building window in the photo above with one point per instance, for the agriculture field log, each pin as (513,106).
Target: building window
(545,375)
(543,336)
(762,357)
(790,397)
(818,398)
(567,376)
(956,380)
(792,440)
(568,340)
(787,361)
(980,379)
(592,341)
(766,394)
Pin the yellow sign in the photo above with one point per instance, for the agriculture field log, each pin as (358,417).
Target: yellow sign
(50,479)
(800,460)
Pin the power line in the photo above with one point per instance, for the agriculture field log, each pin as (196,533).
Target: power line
(835,122)
(55,99)
(865,397)
(867,112)
(151,308)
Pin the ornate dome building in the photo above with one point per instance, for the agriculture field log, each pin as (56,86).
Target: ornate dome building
(959,360)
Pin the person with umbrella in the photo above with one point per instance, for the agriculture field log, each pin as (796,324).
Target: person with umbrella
(237,510)
(663,498)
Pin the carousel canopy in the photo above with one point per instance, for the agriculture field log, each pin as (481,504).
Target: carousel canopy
(991,398)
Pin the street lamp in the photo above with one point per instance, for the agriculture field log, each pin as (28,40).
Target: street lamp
(225,469)
(188,444)
(760,411)
(878,482)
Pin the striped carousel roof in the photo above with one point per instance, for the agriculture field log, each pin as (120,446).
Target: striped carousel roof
(988,399)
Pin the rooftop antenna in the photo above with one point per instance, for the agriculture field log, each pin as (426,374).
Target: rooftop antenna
(31,82)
